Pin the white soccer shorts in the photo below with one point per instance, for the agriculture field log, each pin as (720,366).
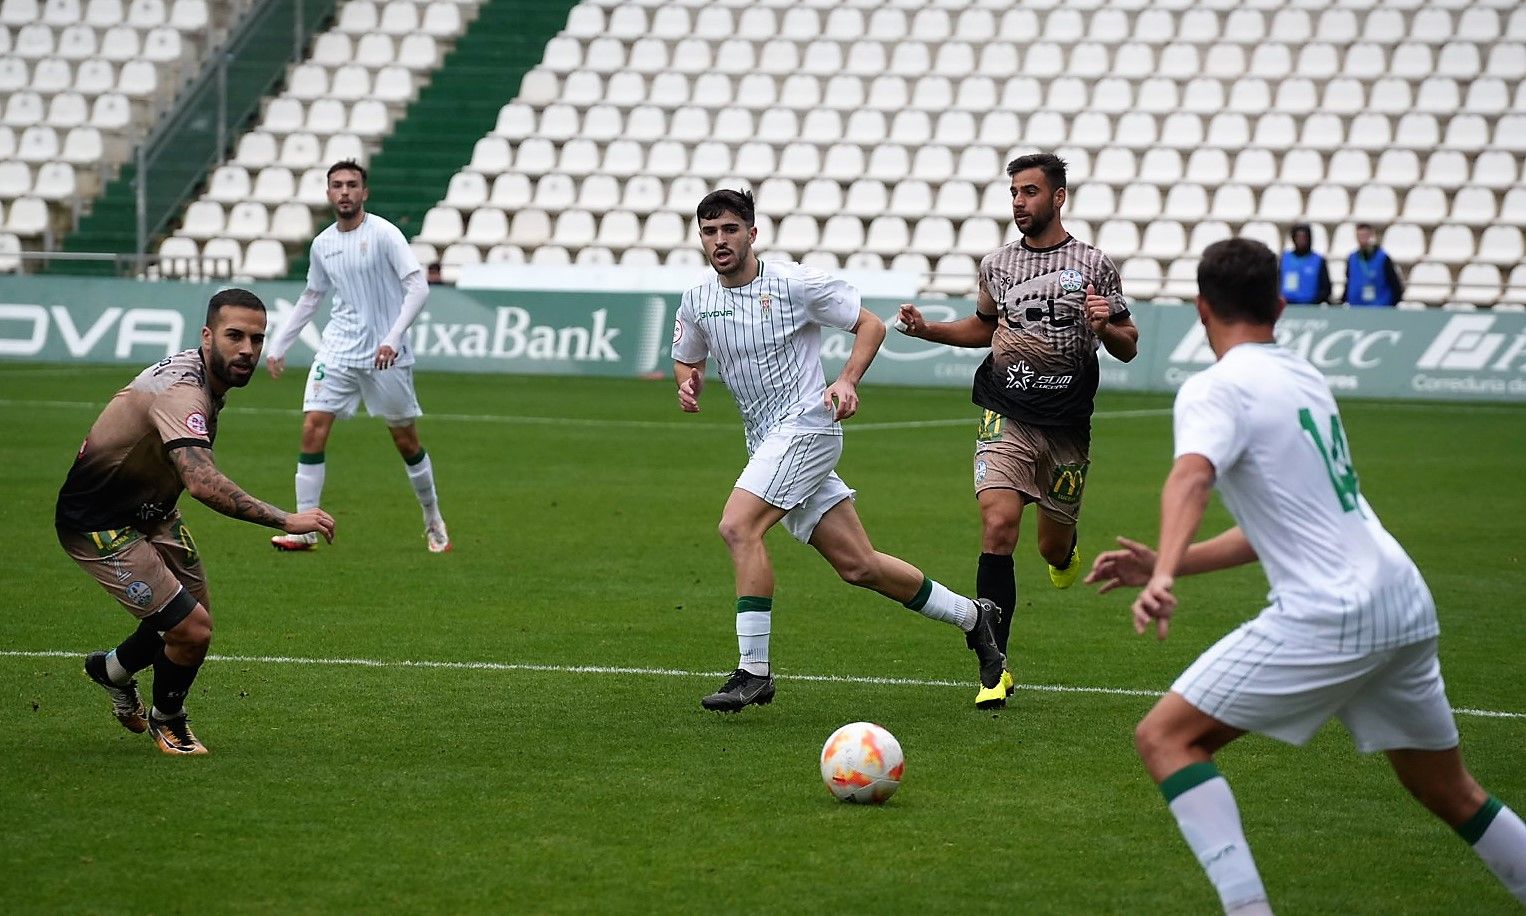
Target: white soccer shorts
(1390,699)
(797,471)
(388,393)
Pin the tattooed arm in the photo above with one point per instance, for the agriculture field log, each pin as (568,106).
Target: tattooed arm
(208,485)
(212,487)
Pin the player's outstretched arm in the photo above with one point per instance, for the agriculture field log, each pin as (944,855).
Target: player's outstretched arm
(970,331)
(213,488)
(301,314)
(1134,563)
(690,378)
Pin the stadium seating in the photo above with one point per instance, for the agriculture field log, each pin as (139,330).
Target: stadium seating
(82,80)
(870,131)
(877,131)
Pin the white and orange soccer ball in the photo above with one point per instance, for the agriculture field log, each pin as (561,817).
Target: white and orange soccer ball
(862,763)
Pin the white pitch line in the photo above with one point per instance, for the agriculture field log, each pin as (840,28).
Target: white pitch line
(607,423)
(662,672)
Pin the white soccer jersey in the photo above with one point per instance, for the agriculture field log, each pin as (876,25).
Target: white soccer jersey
(365,268)
(766,340)
(1266,419)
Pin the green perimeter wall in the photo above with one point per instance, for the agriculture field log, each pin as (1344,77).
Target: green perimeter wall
(1379,353)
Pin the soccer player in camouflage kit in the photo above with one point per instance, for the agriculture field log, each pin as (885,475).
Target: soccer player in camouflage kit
(116,514)
(1045,303)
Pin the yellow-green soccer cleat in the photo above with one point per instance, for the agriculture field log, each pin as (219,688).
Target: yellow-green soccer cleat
(996,697)
(1065,578)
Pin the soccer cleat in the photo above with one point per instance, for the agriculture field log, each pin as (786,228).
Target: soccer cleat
(295,541)
(174,735)
(983,641)
(125,703)
(996,697)
(743,688)
(1065,578)
(439,540)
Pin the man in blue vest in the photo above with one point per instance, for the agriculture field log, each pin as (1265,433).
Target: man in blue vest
(1305,276)
(1371,278)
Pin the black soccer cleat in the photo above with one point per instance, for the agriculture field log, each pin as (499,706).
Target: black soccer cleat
(743,688)
(174,736)
(983,641)
(126,705)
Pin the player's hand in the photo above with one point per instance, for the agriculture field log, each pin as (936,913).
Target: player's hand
(688,391)
(276,365)
(309,521)
(909,321)
(842,399)
(1130,566)
(1098,309)
(385,357)
(1155,603)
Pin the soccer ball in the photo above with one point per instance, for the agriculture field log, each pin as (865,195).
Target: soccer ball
(862,763)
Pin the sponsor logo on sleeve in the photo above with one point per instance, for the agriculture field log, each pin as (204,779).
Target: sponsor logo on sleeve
(196,422)
(139,593)
(678,330)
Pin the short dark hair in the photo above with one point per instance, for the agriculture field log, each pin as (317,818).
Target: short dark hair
(348,165)
(232,297)
(1238,277)
(1052,166)
(1367,226)
(727,201)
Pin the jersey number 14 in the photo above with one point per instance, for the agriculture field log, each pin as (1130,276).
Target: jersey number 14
(1337,457)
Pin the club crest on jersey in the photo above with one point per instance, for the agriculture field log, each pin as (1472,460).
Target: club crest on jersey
(365,247)
(197,423)
(1071,281)
(767,301)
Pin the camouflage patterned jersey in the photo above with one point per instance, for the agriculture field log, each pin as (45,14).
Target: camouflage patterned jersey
(1043,364)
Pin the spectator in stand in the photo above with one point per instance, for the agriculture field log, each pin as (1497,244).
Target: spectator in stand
(1305,276)
(1371,277)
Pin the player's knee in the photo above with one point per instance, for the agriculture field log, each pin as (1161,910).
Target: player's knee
(186,624)
(857,571)
(1152,741)
(737,532)
(999,536)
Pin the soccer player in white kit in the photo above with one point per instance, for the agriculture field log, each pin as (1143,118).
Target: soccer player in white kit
(762,324)
(1350,628)
(379,290)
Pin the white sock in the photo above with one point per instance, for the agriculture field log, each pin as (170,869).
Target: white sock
(114,670)
(1205,811)
(937,602)
(421,475)
(1503,846)
(310,485)
(753,626)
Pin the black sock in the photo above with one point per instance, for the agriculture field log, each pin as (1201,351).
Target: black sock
(138,650)
(171,684)
(996,582)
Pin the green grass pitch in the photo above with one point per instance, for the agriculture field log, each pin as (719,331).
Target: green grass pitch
(583,513)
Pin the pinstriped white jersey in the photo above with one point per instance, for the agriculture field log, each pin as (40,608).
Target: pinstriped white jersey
(364,268)
(766,341)
(1265,418)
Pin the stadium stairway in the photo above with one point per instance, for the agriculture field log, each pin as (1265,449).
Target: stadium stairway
(434,139)
(111,225)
